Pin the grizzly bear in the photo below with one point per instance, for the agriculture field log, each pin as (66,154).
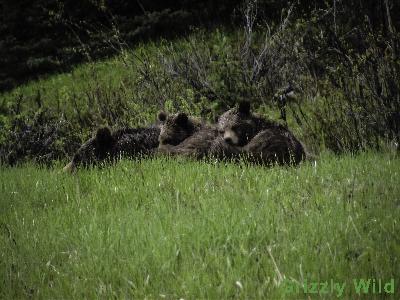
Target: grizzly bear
(187,136)
(262,141)
(109,146)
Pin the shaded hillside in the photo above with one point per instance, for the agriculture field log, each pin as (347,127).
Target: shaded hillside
(45,36)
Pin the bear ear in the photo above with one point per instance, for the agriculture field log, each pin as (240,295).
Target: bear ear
(162,116)
(182,119)
(103,135)
(244,107)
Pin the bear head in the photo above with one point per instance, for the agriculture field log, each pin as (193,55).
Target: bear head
(96,149)
(238,125)
(175,128)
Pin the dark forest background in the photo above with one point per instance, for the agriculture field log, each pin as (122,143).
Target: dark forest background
(46,36)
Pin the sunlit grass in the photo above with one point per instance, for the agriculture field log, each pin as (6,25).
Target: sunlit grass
(184,229)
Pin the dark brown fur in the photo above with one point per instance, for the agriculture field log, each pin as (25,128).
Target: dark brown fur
(109,146)
(263,141)
(187,136)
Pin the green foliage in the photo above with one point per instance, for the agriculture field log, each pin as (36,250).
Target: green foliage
(161,228)
(357,101)
(346,81)
(37,136)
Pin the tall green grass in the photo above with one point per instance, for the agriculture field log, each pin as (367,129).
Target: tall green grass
(173,229)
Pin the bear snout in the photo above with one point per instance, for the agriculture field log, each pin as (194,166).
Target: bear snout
(231,137)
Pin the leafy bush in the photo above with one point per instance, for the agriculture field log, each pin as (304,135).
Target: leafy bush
(41,138)
(358,89)
(347,81)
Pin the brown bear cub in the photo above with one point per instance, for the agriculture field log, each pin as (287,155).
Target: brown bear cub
(262,141)
(109,146)
(187,136)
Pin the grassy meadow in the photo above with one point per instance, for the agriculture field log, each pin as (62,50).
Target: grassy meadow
(180,229)
(171,228)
